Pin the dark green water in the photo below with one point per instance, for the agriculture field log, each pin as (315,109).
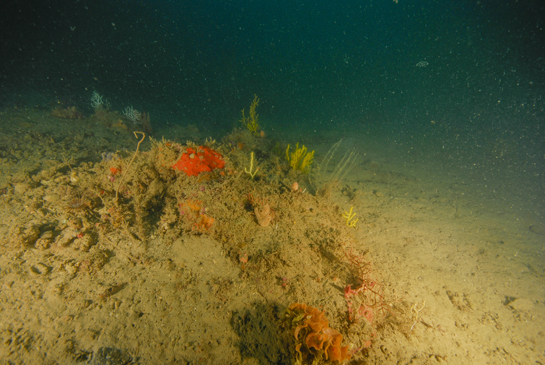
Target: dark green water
(458,79)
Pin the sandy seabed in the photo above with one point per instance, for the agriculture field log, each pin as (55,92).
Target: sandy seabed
(458,268)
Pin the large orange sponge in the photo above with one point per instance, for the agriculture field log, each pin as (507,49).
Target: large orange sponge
(193,162)
(317,338)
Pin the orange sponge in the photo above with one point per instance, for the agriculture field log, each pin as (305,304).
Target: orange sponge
(317,338)
(193,162)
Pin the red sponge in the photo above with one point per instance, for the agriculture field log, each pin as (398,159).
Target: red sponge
(203,159)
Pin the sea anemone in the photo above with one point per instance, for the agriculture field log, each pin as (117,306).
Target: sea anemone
(77,204)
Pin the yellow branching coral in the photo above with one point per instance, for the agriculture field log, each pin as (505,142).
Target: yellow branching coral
(300,159)
(251,172)
(349,216)
(251,122)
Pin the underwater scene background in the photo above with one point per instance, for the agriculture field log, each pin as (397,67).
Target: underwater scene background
(257,182)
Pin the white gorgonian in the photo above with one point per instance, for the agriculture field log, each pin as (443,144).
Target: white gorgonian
(96,100)
(133,114)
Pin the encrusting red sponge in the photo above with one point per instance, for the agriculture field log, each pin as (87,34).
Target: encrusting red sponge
(203,159)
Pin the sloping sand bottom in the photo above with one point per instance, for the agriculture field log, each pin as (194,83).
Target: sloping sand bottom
(460,268)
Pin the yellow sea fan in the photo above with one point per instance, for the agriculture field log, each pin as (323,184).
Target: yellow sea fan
(251,122)
(300,159)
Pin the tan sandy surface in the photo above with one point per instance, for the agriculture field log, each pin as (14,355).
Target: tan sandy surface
(461,264)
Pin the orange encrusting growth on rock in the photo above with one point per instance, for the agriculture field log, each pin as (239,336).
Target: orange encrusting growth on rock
(192,205)
(193,212)
(193,162)
(204,223)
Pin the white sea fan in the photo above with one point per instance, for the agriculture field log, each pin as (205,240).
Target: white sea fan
(96,100)
(133,114)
